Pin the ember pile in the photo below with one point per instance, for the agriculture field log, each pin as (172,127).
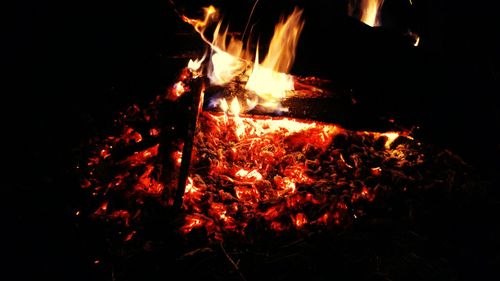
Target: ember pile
(275,174)
(281,174)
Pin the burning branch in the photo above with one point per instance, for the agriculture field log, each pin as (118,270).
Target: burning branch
(192,123)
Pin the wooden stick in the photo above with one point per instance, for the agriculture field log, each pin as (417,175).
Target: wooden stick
(195,109)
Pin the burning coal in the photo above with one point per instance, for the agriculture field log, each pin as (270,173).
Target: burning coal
(283,174)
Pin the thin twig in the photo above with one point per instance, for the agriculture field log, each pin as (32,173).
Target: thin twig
(232,262)
(249,18)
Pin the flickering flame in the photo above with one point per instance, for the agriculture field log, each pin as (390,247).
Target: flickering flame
(370,12)
(391,137)
(190,188)
(417,41)
(253,175)
(235,107)
(228,60)
(200,25)
(177,156)
(414,37)
(223,105)
(194,65)
(233,60)
(269,79)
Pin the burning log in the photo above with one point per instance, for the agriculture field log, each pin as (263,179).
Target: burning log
(192,122)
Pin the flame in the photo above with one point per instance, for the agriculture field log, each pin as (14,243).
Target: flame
(190,188)
(177,156)
(391,137)
(235,107)
(300,220)
(227,61)
(414,37)
(200,25)
(268,79)
(370,12)
(194,65)
(417,41)
(233,60)
(223,105)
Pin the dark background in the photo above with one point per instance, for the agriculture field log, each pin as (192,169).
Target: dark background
(72,65)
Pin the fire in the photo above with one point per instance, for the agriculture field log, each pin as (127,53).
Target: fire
(226,61)
(234,60)
(269,79)
(223,105)
(391,137)
(253,175)
(235,107)
(370,12)
(278,173)
(177,156)
(178,89)
(200,25)
(195,65)
(190,188)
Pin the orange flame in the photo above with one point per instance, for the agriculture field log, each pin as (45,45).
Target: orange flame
(233,60)
(227,61)
(391,137)
(268,79)
(370,12)
(235,107)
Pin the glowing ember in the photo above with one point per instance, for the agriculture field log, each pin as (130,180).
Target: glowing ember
(178,89)
(391,137)
(285,173)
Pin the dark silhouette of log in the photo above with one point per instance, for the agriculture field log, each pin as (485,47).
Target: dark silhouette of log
(194,108)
